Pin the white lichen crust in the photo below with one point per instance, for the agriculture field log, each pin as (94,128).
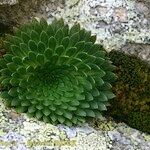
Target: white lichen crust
(19,132)
(115,22)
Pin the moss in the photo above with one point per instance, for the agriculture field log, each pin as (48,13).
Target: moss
(140,120)
(132,102)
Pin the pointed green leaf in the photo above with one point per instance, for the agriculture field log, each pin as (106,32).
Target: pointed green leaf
(51,107)
(21,70)
(71,108)
(38,114)
(109,94)
(38,28)
(48,53)
(32,45)
(12,66)
(68,123)
(2,63)
(54,59)
(102,97)
(81,112)
(39,107)
(46,119)
(14,81)
(50,31)
(5,95)
(53,117)
(41,47)
(17,60)
(67,115)
(25,37)
(65,30)
(44,37)
(24,48)
(30,69)
(75,28)
(23,83)
(40,58)
(94,105)
(89,96)
(98,115)
(43,23)
(34,36)
(31,109)
(87,36)
(74,39)
(93,39)
(80,45)
(21,109)
(59,35)
(74,120)
(65,42)
(8,57)
(5,81)
(88,47)
(25,103)
(52,43)
(60,49)
(59,112)
(95,92)
(90,113)
(6,71)
(85,105)
(61,119)
(99,81)
(71,51)
(16,50)
(75,103)
(32,56)
(102,107)
(46,111)
(13,92)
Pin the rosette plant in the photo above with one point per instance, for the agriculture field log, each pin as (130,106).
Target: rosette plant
(56,73)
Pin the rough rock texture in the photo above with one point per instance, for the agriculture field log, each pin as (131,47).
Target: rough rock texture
(115,22)
(9,2)
(18,132)
(118,24)
(21,12)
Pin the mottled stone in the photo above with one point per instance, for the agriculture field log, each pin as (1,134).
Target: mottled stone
(141,50)
(9,2)
(114,135)
(120,14)
(114,22)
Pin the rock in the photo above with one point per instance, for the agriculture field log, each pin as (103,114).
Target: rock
(114,135)
(124,141)
(121,14)
(71,132)
(142,8)
(140,50)
(8,2)
(85,129)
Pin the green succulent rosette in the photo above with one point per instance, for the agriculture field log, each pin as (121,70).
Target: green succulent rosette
(56,73)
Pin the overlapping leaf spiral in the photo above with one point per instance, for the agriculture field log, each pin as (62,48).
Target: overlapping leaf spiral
(56,73)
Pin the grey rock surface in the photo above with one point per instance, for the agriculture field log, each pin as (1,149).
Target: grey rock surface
(8,2)
(115,22)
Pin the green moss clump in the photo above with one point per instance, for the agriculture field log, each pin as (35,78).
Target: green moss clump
(132,102)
